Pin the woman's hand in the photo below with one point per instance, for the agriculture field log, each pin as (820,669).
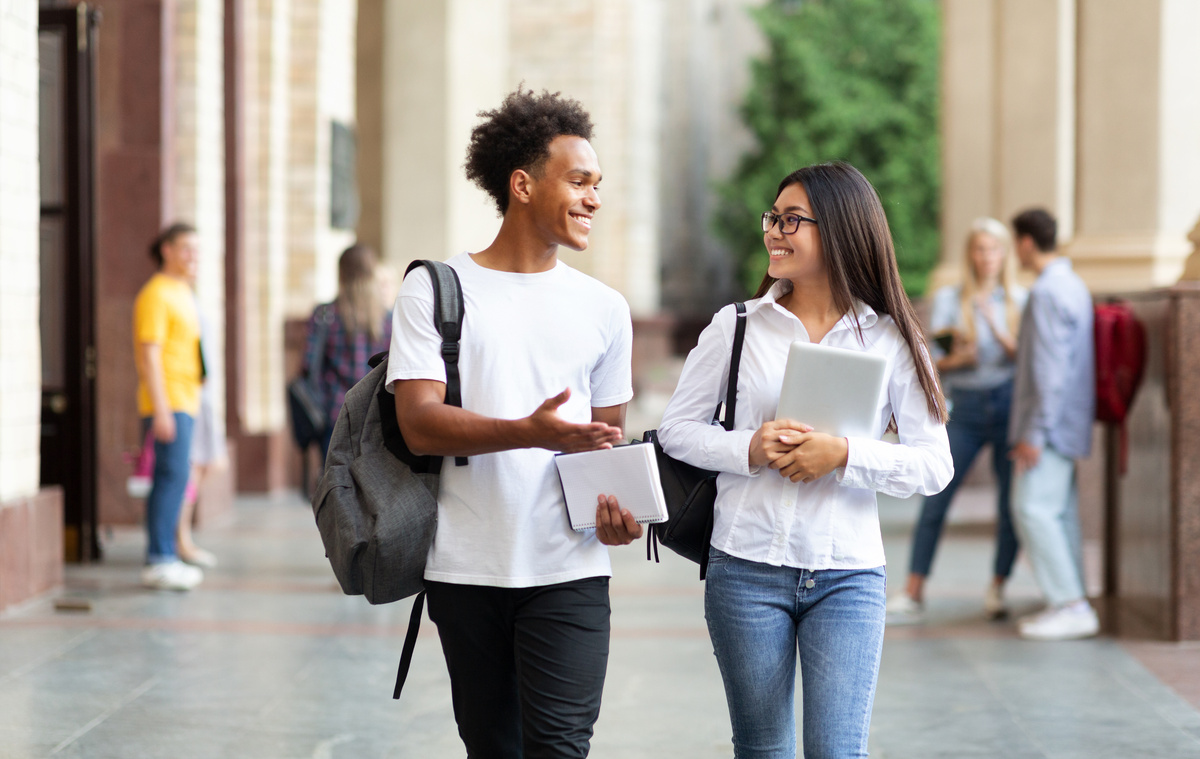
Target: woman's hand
(1006,340)
(962,355)
(774,439)
(813,456)
(163,425)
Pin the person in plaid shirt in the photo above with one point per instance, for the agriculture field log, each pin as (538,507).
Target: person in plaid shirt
(360,325)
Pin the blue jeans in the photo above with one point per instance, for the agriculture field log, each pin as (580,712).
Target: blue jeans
(172,467)
(759,618)
(1045,499)
(977,418)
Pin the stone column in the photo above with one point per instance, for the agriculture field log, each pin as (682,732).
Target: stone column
(1008,122)
(321,91)
(20,346)
(1139,156)
(31,518)
(443,62)
(199,191)
(262,435)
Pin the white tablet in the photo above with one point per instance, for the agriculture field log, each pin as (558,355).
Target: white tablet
(833,390)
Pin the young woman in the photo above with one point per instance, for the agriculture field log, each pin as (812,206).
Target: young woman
(359,326)
(978,319)
(796,563)
(166,335)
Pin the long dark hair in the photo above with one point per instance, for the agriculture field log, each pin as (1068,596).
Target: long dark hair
(860,258)
(166,237)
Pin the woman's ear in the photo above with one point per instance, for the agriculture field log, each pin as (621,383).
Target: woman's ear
(520,186)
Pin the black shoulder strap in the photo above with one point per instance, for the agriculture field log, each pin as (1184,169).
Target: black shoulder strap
(735,362)
(448,318)
(410,642)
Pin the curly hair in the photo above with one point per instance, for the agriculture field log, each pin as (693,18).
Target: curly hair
(517,135)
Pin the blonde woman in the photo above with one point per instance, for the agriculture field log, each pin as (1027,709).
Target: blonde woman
(359,326)
(975,329)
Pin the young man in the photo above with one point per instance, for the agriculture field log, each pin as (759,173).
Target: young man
(166,336)
(1051,426)
(519,599)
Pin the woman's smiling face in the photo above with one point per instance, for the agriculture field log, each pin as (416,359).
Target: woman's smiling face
(797,256)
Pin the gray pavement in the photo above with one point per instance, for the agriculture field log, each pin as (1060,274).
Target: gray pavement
(267,659)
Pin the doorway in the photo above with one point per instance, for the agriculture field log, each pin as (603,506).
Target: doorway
(66,125)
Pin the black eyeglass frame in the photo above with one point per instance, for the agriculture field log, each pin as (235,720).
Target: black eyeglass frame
(769,220)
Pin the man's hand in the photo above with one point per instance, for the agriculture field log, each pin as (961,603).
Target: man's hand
(769,443)
(615,526)
(163,427)
(548,430)
(813,456)
(1025,456)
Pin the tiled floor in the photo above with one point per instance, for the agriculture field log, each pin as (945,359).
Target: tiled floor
(267,660)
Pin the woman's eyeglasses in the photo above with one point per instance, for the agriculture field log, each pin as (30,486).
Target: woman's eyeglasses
(788,222)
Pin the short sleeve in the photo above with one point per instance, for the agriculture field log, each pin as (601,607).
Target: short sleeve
(416,346)
(151,317)
(612,377)
(946,310)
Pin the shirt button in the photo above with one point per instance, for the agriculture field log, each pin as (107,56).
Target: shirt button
(810,583)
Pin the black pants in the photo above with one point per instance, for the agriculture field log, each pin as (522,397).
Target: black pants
(526,665)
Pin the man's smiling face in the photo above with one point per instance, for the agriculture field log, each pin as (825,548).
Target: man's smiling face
(564,196)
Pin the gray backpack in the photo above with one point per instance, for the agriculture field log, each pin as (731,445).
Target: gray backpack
(376,503)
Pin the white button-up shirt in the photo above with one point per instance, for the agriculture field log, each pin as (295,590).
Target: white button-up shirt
(832,522)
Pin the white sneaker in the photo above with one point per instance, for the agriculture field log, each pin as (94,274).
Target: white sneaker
(903,610)
(171,575)
(993,602)
(1069,622)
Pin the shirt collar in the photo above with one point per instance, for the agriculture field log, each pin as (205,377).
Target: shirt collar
(864,314)
(1062,262)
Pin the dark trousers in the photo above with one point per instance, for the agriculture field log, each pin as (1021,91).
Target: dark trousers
(526,665)
(977,418)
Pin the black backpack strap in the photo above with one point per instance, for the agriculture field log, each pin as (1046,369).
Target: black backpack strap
(448,318)
(735,362)
(410,642)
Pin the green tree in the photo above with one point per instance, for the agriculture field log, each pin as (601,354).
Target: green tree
(852,80)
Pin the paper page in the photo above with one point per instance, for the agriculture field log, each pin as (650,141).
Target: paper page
(628,472)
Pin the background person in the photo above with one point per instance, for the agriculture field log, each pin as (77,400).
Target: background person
(208,451)
(166,334)
(1053,409)
(359,326)
(980,316)
(796,563)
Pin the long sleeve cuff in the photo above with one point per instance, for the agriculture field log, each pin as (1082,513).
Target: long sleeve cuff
(731,453)
(869,464)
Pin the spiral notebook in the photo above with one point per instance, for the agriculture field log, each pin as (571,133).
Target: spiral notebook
(628,472)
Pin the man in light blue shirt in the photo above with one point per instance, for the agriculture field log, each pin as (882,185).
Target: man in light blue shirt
(1051,426)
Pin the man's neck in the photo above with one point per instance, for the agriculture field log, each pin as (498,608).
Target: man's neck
(1043,260)
(517,249)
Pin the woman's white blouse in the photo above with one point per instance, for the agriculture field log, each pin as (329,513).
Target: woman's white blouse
(830,523)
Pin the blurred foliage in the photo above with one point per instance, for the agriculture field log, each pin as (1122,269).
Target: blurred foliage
(852,80)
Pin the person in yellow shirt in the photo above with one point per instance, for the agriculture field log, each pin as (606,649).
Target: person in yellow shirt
(166,336)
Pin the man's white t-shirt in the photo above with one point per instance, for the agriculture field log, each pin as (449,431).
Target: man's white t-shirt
(501,518)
